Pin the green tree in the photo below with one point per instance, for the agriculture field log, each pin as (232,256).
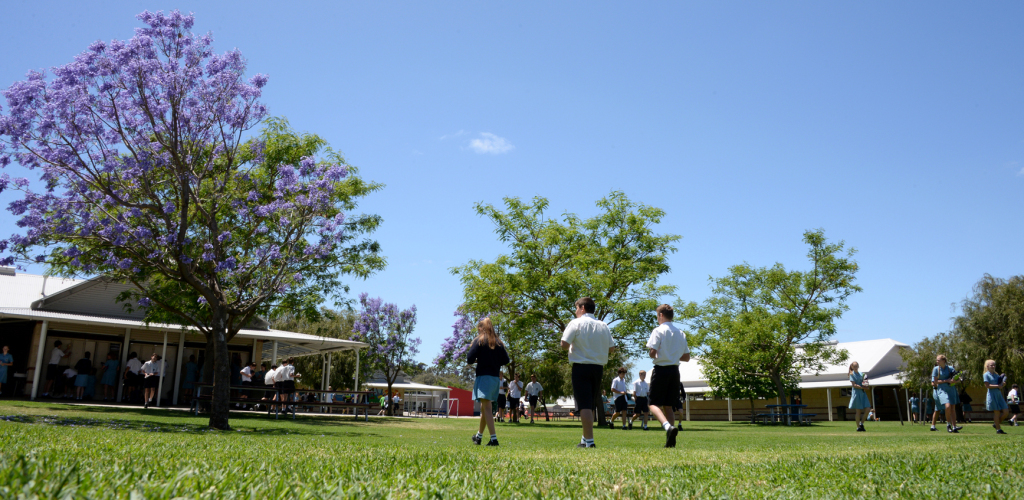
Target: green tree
(962,354)
(616,257)
(991,322)
(770,324)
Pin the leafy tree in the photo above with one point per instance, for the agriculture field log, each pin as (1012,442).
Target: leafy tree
(772,324)
(964,355)
(388,332)
(147,180)
(991,322)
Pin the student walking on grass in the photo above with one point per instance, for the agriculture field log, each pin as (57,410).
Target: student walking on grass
(859,399)
(621,404)
(5,360)
(502,397)
(515,392)
(915,409)
(488,353)
(640,406)
(151,370)
(533,392)
(1013,401)
(589,342)
(667,346)
(942,376)
(994,401)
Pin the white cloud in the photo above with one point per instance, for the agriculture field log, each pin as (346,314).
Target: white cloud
(1021,173)
(460,133)
(490,144)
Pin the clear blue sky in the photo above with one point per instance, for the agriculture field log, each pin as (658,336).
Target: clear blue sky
(896,127)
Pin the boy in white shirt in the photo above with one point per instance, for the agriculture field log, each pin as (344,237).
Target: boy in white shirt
(285,377)
(152,374)
(621,404)
(53,369)
(641,409)
(502,397)
(667,347)
(515,392)
(589,342)
(268,381)
(533,390)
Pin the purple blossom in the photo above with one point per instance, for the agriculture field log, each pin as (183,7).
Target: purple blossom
(144,302)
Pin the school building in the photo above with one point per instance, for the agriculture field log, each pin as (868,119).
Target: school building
(85,316)
(826,394)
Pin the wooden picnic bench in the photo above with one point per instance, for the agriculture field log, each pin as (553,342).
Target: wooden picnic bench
(274,406)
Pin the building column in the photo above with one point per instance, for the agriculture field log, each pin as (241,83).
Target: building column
(687,408)
(177,370)
(356,388)
(330,365)
(274,353)
(39,360)
(729,402)
(828,392)
(163,368)
(124,363)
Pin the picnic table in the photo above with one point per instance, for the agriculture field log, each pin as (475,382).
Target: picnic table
(274,406)
(784,413)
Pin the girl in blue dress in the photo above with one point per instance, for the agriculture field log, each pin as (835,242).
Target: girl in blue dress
(915,409)
(994,401)
(109,378)
(942,376)
(859,399)
(5,360)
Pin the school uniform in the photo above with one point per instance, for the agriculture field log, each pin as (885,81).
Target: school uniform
(670,342)
(640,390)
(84,369)
(589,340)
(515,392)
(858,399)
(1013,400)
(533,393)
(502,395)
(915,405)
(993,396)
(945,394)
(53,369)
(621,404)
(151,370)
(285,378)
(488,368)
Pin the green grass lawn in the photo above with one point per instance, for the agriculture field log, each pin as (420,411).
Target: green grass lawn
(52,450)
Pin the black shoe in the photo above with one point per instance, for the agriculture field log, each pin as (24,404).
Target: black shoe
(956,428)
(860,428)
(493,442)
(933,428)
(952,430)
(146,404)
(631,426)
(670,437)
(477,439)
(585,445)
(1000,431)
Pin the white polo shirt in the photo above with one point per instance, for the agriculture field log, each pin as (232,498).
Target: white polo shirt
(134,365)
(56,355)
(285,373)
(670,342)
(515,389)
(641,389)
(534,388)
(589,339)
(246,374)
(70,373)
(151,367)
(268,379)
(502,387)
(618,384)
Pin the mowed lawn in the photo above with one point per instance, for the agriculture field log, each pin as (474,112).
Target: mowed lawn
(62,451)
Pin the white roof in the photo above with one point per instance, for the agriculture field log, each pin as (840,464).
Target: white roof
(20,290)
(407,386)
(879,358)
(91,302)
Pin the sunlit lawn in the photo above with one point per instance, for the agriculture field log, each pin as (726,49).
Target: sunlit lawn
(52,450)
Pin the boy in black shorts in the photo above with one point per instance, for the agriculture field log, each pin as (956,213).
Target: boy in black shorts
(667,347)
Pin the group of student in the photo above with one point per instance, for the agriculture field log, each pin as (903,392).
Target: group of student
(589,342)
(945,397)
(510,398)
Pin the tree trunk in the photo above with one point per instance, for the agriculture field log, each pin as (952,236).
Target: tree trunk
(781,388)
(219,408)
(751,408)
(391,399)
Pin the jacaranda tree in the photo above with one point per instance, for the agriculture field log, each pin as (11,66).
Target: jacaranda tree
(146,176)
(388,332)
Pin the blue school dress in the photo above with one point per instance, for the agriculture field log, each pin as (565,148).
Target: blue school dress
(994,397)
(914,405)
(110,372)
(944,393)
(5,358)
(859,398)
(929,406)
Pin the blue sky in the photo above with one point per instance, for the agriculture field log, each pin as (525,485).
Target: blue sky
(896,127)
